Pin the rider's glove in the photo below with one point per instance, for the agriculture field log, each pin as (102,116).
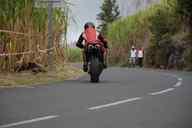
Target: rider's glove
(106,46)
(79,45)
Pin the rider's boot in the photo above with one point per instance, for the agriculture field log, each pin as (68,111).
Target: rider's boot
(85,64)
(105,64)
(105,61)
(85,67)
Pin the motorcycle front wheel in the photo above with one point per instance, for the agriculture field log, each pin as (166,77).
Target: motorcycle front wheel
(95,70)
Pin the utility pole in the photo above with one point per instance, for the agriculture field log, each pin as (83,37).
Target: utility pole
(50,31)
(50,36)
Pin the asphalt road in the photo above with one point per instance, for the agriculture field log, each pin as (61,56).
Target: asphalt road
(125,98)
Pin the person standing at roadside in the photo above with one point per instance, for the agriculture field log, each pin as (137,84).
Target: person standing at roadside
(140,56)
(133,55)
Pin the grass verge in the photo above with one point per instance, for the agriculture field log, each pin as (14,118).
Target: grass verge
(27,78)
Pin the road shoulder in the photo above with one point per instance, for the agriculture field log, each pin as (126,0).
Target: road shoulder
(28,79)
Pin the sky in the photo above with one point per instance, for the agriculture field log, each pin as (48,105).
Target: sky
(83,11)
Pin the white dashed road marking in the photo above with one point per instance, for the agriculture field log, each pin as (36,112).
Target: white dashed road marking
(115,103)
(178,84)
(29,121)
(180,79)
(161,92)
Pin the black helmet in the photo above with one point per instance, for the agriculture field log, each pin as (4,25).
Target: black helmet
(89,24)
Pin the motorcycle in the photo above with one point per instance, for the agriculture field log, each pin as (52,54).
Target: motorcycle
(95,62)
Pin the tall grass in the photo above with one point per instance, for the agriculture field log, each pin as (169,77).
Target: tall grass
(22,16)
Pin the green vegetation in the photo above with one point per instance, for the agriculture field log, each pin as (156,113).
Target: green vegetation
(161,29)
(73,54)
(23,28)
(124,33)
(109,13)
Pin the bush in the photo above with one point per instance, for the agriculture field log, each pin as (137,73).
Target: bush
(188,59)
(74,54)
(188,52)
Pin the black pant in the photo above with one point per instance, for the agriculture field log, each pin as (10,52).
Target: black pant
(140,62)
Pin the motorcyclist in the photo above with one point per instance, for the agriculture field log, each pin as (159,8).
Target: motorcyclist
(90,35)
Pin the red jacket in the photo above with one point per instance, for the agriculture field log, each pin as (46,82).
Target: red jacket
(90,35)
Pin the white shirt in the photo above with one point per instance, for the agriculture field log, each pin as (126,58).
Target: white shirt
(140,53)
(133,53)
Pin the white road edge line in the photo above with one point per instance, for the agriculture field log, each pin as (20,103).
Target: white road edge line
(29,121)
(28,87)
(161,92)
(114,103)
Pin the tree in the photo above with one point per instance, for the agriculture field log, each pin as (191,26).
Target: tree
(185,9)
(109,13)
